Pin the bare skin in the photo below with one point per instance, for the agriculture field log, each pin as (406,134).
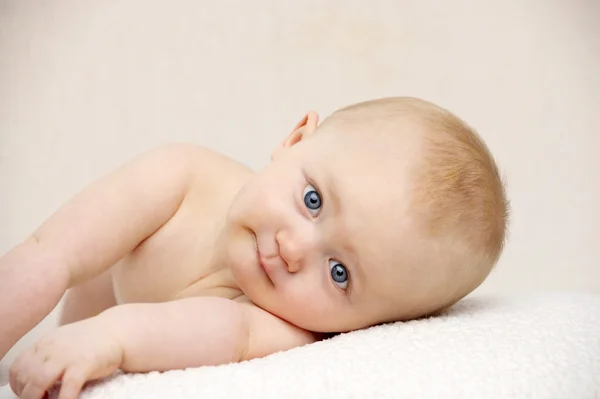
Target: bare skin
(211,263)
(166,260)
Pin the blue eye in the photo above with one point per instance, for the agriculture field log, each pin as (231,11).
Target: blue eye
(339,274)
(312,200)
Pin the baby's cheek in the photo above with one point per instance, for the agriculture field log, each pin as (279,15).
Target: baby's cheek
(310,299)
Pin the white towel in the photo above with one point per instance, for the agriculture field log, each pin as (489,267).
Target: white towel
(544,347)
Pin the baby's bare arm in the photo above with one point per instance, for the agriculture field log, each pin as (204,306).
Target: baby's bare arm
(190,332)
(198,331)
(89,234)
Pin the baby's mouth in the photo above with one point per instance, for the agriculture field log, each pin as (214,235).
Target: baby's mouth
(259,258)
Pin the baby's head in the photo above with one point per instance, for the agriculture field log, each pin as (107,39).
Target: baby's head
(389,210)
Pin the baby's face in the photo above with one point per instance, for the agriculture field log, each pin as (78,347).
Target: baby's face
(320,236)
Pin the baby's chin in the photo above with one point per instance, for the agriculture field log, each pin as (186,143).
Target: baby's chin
(326,324)
(331,324)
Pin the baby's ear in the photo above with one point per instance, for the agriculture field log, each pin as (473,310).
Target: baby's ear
(304,128)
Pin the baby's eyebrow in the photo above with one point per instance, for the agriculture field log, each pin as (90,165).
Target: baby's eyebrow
(357,272)
(332,191)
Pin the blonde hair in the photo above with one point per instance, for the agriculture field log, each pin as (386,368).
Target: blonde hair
(459,196)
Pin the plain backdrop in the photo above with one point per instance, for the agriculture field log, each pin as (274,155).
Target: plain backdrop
(85,86)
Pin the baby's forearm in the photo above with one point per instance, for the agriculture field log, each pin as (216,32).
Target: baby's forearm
(32,283)
(190,332)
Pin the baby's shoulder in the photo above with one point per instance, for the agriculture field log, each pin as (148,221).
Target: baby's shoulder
(207,163)
(194,154)
(202,164)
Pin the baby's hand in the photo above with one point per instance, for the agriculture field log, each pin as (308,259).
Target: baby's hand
(71,354)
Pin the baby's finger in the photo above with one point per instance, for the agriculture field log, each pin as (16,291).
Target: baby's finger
(42,377)
(72,382)
(13,378)
(16,375)
(32,391)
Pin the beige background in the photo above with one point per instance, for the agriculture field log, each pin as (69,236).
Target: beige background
(86,85)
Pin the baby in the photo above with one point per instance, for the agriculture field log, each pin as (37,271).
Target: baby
(388,210)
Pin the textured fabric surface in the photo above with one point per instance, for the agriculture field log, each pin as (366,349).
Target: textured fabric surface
(543,347)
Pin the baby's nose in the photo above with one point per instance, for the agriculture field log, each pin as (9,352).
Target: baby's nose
(295,249)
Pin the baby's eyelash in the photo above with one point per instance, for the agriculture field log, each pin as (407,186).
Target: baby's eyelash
(316,186)
(348,289)
(310,181)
